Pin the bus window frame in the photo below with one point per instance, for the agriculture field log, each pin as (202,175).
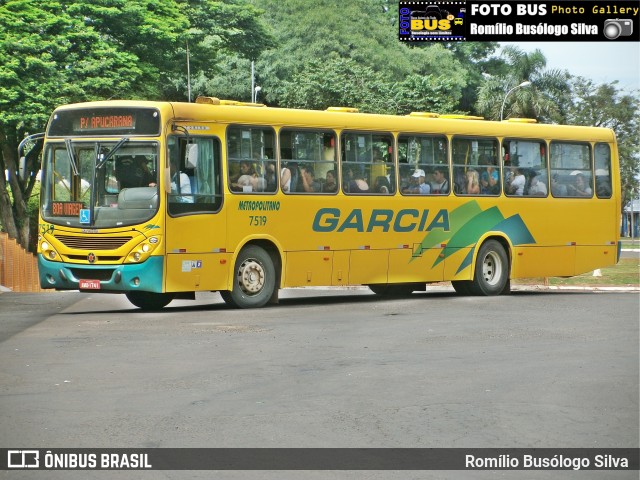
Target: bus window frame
(250,126)
(336,158)
(452,173)
(547,178)
(183,207)
(446,165)
(595,171)
(591,165)
(394,163)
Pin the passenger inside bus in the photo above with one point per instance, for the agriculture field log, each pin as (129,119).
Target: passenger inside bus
(558,189)
(132,172)
(180,186)
(580,187)
(331,182)
(537,187)
(440,184)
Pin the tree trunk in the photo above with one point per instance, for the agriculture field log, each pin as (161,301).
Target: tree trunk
(15,218)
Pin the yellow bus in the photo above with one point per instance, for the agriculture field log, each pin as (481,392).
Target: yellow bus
(161,200)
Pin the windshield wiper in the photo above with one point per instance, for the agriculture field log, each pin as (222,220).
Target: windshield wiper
(100,162)
(72,157)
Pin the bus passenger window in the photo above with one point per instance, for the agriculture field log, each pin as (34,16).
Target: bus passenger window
(423,164)
(308,161)
(571,171)
(603,170)
(251,157)
(475,166)
(368,163)
(525,167)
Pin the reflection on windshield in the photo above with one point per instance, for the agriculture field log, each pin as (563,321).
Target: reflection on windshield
(100,185)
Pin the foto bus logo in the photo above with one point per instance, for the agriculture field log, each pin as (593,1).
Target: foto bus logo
(433,21)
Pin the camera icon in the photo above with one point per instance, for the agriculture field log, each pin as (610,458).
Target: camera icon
(617,27)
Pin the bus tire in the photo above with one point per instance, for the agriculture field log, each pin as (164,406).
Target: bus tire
(254,279)
(149,300)
(492,270)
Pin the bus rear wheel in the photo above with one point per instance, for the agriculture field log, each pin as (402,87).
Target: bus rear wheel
(149,300)
(492,270)
(254,279)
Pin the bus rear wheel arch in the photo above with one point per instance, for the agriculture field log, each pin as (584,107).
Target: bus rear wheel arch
(491,275)
(255,278)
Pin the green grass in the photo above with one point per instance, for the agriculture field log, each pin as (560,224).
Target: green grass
(625,274)
(628,243)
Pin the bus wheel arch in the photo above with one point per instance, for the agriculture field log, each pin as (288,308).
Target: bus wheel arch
(492,268)
(256,276)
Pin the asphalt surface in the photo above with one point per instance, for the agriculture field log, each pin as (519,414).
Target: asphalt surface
(325,368)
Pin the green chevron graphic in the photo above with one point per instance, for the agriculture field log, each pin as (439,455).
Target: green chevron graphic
(468,223)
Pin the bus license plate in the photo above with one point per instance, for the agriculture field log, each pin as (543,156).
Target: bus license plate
(89,284)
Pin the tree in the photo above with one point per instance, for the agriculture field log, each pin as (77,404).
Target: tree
(604,105)
(47,57)
(342,53)
(54,52)
(543,100)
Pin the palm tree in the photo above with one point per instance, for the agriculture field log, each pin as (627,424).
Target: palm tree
(544,99)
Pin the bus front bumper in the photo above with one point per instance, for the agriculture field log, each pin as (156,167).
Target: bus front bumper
(146,276)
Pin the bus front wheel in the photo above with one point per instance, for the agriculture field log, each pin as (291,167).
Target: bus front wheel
(149,300)
(492,270)
(254,279)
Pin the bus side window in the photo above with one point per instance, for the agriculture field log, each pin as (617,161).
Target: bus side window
(525,167)
(251,156)
(368,164)
(475,166)
(603,170)
(308,161)
(571,171)
(423,154)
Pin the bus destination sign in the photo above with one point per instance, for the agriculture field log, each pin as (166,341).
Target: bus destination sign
(111,121)
(66,209)
(105,122)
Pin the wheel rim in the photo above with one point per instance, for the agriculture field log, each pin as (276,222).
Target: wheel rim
(251,277)
(492,268)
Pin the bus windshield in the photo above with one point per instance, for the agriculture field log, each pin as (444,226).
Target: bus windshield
(99,184)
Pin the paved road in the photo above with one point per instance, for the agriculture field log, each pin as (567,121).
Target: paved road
(325,368)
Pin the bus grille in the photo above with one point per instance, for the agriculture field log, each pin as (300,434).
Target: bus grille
(93,243)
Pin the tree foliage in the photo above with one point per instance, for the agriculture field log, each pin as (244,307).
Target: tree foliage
(306,55)
(54,52)
(542,100)
(347,53)
(48,57)
(605,105)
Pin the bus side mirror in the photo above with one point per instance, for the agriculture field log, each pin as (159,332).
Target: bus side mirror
(191,156)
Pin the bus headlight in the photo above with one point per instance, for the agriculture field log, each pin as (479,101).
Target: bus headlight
(143,250)
(47,251)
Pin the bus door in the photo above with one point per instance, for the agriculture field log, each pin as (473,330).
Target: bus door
(195,225)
